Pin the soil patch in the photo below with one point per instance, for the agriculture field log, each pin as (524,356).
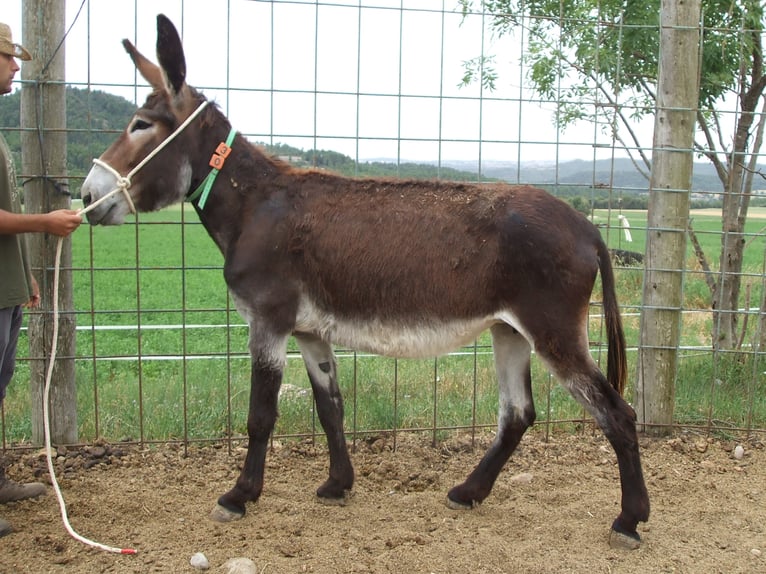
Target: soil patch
(549,512)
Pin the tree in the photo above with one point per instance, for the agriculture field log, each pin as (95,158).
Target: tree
(605,55)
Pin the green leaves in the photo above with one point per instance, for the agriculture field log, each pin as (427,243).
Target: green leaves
(612,47)
(480,69)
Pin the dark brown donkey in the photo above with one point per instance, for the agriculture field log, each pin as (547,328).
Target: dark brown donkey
(397,268)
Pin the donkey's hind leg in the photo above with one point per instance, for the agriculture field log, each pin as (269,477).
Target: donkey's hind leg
(618,422)
(321,367)
(516,415)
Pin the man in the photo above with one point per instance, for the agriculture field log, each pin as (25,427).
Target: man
(17,286)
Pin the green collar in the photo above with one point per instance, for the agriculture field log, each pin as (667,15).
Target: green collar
(216,163)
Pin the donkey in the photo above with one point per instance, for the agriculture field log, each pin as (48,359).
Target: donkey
(399,268)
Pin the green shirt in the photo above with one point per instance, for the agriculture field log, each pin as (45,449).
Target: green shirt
(15,277)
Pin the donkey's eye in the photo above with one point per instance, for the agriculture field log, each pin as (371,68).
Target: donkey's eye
(140,125)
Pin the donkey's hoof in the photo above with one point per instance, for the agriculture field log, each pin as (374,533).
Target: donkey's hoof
(455,505)
(223,514)
(623,541)
(335,501)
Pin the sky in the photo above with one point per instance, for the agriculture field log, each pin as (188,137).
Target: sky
(369,81)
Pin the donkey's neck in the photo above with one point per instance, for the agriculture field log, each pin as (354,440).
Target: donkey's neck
(242,184)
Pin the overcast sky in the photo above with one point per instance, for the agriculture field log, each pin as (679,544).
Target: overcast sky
(370,82)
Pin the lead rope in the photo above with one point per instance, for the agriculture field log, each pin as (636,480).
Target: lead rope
(123,183)
(46,420)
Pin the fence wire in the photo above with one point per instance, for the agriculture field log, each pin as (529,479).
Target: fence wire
(161,354)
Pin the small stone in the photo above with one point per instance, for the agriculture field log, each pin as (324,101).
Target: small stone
(755,552)
(199,561)
(701,445)
(739,452)
(43,453)
(239,566)
(523,478)
(96,451)
(378,446)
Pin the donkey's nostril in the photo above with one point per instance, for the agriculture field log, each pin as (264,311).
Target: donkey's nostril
(86,200)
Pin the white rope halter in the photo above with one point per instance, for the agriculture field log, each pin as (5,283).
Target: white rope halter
(124,182)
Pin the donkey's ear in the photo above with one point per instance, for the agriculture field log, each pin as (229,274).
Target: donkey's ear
(170,53)
(150,71)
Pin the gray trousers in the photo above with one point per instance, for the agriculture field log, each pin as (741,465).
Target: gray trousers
(10,326)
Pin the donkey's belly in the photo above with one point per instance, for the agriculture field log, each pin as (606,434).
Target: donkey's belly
(392,338)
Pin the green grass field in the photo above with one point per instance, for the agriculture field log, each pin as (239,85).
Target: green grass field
(161,353)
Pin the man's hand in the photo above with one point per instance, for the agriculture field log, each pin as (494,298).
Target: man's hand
(34,302)
(62,222)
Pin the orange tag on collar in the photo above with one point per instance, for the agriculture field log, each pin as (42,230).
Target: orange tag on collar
(219,157)
(223,150)
(216,161)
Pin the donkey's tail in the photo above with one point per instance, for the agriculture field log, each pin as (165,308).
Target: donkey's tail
(617,362)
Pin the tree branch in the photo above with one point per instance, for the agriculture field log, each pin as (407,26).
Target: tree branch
(710,152)
(701,259)
(618,111)
(752,165)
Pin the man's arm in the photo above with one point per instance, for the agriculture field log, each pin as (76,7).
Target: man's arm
(61,222)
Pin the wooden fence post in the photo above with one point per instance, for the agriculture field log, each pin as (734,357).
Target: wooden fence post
(43,153)
(670,188)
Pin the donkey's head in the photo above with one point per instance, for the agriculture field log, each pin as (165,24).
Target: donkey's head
(157,182)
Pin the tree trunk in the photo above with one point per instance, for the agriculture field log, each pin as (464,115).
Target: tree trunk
(736,201)
(43,144)
(761,340)
(670,187)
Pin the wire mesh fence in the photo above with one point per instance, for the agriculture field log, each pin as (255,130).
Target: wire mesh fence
(386,88)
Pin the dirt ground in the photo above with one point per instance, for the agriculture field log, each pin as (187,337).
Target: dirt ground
(549,512)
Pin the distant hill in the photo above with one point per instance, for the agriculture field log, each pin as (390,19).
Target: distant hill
(620,171)
(94,118)
(343,164)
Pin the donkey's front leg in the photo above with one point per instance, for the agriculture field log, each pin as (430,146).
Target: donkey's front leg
(265,380)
